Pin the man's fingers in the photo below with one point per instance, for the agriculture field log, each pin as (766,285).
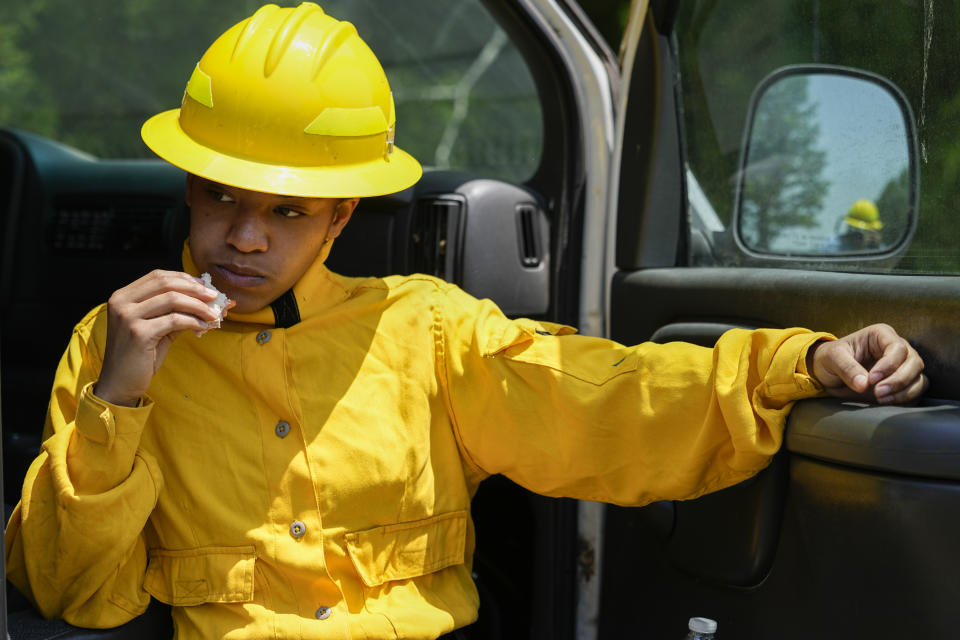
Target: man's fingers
(890,351)
(174,301)
(840,362)
(898,366)
(159,281)
(907,395)
(155,329)
(896,369)
(907,373)
(143,318)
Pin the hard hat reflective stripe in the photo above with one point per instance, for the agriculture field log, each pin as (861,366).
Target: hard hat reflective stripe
(339,121)
(199,87)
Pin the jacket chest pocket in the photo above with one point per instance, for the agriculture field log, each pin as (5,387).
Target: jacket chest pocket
(408,549)
(206,574)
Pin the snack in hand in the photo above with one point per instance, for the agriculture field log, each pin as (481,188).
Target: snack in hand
(218,304)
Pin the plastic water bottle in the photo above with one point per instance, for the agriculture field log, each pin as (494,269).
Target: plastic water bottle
(701,629)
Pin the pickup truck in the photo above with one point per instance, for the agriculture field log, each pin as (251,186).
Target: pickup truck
(759,163)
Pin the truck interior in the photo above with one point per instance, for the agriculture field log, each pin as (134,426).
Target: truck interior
(103,222)
(106,223)
(849,533)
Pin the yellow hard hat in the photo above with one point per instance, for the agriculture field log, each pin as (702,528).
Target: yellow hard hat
(864,215)
(292,102)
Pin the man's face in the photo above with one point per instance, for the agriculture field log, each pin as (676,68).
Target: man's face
(257,245)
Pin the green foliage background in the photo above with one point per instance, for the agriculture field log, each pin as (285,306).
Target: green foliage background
(789,190)
(89,73)
(727,48)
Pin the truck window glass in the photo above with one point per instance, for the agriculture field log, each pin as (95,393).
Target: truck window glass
(88,74)
(725,50)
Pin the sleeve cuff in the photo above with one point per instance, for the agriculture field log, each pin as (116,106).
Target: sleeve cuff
(101,421)
(788,377)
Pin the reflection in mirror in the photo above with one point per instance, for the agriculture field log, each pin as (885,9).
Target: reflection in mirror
(827,168)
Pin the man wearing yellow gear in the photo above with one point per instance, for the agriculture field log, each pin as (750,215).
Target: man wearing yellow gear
(861,229)
(306,470)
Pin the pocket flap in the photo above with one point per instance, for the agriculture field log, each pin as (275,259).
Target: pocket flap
(206,574)
(587,358)
(521,331)
(409,549)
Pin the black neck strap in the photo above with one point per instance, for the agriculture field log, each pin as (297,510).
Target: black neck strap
(285,310)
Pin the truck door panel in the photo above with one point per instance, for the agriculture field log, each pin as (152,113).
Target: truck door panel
(850,532)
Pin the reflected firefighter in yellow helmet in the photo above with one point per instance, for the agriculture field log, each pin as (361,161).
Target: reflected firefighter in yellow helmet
(306,470)
(861,229)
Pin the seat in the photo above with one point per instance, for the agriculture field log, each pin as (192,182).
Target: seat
(154,624)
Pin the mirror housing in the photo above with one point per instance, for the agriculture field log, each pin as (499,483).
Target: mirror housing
(828,168)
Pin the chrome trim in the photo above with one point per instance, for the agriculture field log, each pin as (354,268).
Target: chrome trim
(594,97)
(594,93)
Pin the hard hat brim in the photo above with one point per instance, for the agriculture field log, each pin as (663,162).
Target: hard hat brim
(162,133)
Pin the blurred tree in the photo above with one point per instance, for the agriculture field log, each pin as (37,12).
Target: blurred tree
(783,184)
(726,49)
(17,79)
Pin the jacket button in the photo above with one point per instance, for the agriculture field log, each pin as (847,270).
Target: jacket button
(263,337)
(282,429)
(323,613)
(297,529)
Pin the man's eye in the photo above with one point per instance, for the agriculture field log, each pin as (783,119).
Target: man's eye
(219,196)
(286,212)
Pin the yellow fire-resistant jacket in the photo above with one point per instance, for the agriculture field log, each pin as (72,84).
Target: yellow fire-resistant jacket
(315,481)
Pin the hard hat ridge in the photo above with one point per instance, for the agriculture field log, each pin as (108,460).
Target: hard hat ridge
(341,33)
(288,101)
(251,26)
(287,33)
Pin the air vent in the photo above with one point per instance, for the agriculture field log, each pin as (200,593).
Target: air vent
(81,229)
(84,226)
(434,236)
(528,235)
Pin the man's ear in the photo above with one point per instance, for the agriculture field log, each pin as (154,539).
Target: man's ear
(341,216)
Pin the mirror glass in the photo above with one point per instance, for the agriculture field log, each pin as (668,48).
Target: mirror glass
(827,169)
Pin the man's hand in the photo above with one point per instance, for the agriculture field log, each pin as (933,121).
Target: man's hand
(874,363)
(143,318)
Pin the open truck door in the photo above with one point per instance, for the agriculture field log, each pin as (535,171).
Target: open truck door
(773,123)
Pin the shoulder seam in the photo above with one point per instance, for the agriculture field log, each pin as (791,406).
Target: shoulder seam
(442,371)
(405,281)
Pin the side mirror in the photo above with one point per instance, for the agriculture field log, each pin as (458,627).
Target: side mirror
(828,167)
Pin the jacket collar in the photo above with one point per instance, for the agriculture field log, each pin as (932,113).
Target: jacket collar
(317,290)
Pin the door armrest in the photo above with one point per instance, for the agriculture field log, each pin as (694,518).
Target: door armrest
(923,440)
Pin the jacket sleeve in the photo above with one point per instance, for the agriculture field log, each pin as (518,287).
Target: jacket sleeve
(74,544)
(582,417)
